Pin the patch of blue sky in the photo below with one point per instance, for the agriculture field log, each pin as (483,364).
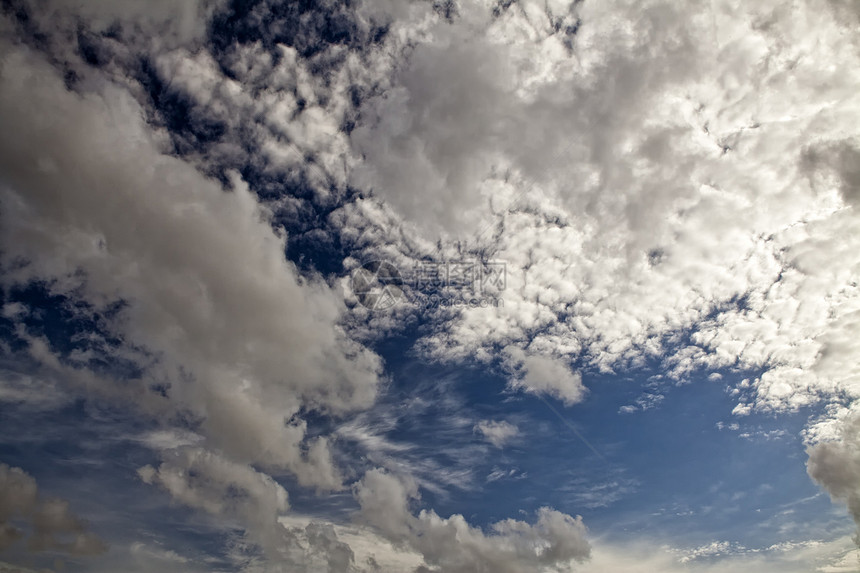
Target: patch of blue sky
(88,454)
(685,469)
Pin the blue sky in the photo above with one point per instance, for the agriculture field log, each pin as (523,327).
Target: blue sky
(461,286)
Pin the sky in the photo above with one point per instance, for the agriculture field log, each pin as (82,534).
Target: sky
(452,286)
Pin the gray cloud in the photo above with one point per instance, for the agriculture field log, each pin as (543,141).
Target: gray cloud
(50,524)
(241,342)
(835,464)
(204,276)
(451,545)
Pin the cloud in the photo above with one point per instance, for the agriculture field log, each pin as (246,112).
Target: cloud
(49,523)
(451,545)
(207,481)
(645,556)
(426,149)
(598,491)
(498,474)
(31,392)
(201,274)
(840,159)
(684,205)
(669,190)
(720,556)
(666,183)
(226,334)
(497,433)
(201,479)
(545,375)
(143,556)
(165,22)
(425,430)
(372,552)
(835,464)
(647,401)
(694,219)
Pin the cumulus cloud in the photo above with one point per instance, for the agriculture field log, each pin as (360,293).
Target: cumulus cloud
(835,464)
(207,481)
(372,552)
(425,148)
(223,329)
(553,543)
(256,494)
(545,375)
(497,433)
(49,523)
(202,274)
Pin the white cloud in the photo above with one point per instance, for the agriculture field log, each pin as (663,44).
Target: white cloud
(394,435)
(710,195)
(372,552)
(497,433)
(8,568)
(170,439)
(688,170)
(685,188)
(721,557)
(499,474)
(712,162)
(545,375)
(603,491)
(553,543)
(647,401)
(236,493)
(836,556)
